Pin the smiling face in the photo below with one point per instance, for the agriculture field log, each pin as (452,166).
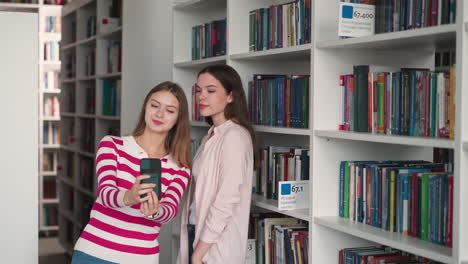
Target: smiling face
(161,112)
(212,98)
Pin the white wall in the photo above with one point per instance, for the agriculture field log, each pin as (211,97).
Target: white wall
(146,53)
(146,61)
(19,134)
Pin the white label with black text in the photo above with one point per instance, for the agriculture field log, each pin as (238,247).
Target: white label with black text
(293,195)
(356,20)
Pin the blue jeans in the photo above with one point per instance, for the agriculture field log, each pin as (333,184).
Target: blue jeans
(191,238)
(83,258)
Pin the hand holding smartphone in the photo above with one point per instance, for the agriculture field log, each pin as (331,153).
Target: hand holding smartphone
(151,167)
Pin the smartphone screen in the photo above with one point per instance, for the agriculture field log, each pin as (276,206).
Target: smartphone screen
(151,167)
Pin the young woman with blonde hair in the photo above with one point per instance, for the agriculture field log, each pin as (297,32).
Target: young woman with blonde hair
(123,227)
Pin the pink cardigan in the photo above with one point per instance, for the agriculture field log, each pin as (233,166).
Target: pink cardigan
(223,167)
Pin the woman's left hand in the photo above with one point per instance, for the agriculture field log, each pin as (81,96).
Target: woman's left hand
(151,206)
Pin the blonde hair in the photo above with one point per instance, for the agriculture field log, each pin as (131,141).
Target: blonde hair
(178,139)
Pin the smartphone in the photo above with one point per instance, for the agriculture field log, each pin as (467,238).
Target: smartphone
(151,167)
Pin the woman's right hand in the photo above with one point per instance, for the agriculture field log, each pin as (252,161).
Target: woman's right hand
(132,196)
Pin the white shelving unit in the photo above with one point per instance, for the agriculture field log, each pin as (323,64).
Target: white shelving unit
(394,240)
(85,53)
(334,56)
(325,59)
(289,60)
(44,66)
(272,205)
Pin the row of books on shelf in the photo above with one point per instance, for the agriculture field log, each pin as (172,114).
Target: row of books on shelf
(114,56)
(90,63)
(50,80)
(50,215)
(51,50)
(69,62)
(411,197)
(67,198)
(195,143)
(279,163)
(68,96)
(53,24)
(196,116)
(51,133)
(111,90)
(67,165)
(90,99)
(56,2)
(87,135)
(50,190)
(87,173)
(209,39)
(51,106)
(86,204)
(445,58)
(280,26)
(378,255)
(115,9)
(274,238)
(279,100)
(48,161)
(90,26)
(398,15)
(409,102)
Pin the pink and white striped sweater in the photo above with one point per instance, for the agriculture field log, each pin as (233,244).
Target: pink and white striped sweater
(120,233)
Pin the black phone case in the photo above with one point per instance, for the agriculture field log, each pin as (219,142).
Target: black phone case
(152,167)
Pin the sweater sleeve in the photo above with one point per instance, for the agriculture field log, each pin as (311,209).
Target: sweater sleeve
(169,205)
(106,171)
(236,154)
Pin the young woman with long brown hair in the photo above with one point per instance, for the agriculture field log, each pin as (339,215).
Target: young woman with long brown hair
(215,217)
(123,227)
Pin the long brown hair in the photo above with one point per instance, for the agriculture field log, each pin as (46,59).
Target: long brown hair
(236,110)
(178,139)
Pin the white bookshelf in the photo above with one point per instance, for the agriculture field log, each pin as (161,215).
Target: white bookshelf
(422,36)
(334,56)
(82,119)
(461,154)
(289,60)
(388,139)
(272,205)
(325,59)
(296,52)
(394,240)
(201,62)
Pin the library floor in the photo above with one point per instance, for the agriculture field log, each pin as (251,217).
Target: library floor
(51,252)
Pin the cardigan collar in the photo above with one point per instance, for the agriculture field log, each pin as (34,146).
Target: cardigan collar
(221,128)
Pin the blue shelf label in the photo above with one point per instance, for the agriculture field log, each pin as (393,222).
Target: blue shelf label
(347,11)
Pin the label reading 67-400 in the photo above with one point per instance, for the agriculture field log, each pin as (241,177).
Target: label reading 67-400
(356,20)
